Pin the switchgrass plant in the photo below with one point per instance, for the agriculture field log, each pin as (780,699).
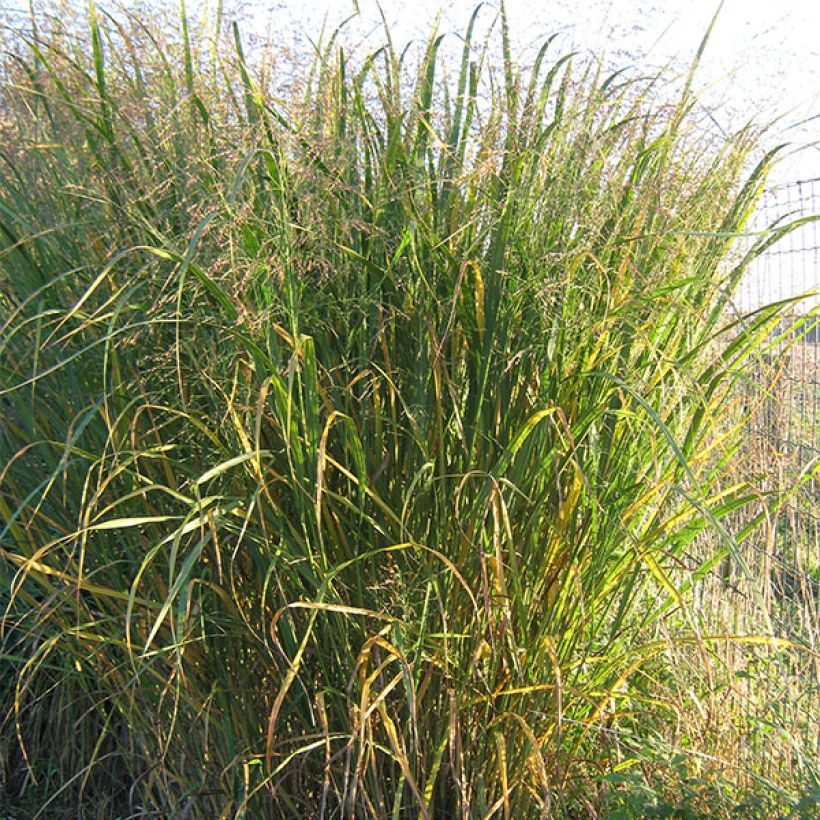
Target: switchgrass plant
(359,449)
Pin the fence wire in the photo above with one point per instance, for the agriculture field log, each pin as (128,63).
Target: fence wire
(780,455)
(784,435)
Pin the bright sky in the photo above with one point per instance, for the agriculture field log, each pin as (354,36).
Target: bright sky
(763,59)
(762,62)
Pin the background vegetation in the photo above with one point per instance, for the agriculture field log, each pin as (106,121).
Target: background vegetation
(373,450)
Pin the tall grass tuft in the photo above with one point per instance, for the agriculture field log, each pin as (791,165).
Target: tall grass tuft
(363,449)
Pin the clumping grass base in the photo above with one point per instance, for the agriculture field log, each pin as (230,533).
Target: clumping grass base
(364,451)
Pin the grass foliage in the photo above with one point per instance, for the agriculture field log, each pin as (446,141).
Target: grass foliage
(360,445)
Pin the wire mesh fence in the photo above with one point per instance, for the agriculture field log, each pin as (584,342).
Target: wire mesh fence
(780,582)
(785,439)
(784,433)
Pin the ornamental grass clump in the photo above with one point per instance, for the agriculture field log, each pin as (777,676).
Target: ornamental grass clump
(360,447)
